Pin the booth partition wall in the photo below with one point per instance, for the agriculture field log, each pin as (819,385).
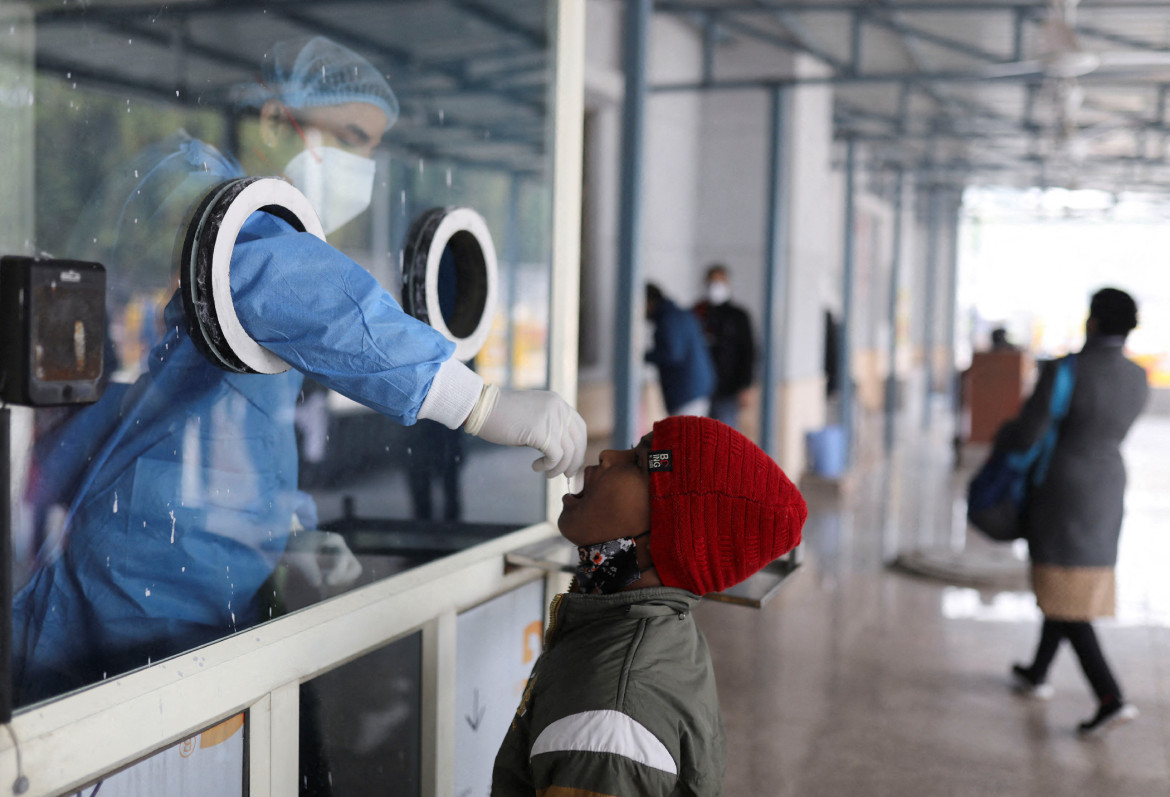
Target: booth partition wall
(326,610)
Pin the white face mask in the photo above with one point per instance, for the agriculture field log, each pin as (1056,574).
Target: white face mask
(338,184)
(718,292)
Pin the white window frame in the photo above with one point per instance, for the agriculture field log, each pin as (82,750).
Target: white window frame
(77,739)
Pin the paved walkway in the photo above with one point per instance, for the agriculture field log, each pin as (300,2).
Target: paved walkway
(860,679)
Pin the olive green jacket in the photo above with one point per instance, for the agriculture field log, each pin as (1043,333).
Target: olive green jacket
(622,703)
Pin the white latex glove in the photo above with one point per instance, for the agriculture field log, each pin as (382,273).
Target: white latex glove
(323,558)
(539,419)
(339,567)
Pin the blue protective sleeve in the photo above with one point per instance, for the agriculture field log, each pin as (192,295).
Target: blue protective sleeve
(328,317)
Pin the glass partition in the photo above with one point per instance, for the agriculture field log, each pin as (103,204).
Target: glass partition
(211,762)
(360,725)
(192,501)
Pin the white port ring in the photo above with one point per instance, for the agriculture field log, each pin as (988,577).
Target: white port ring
(205,268)
(466,233)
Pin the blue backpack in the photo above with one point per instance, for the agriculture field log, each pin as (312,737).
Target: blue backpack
(998,493)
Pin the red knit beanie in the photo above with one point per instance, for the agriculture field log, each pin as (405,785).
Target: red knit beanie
(720,508)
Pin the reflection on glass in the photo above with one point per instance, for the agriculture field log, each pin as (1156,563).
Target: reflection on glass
(360,725)
(192,502)
(211,762)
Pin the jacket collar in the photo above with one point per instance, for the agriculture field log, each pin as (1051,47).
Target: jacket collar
(650,602)
(1104,341)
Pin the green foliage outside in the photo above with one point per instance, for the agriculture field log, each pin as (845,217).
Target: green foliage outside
(82,135)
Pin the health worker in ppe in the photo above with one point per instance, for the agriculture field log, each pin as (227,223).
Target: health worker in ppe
(179,488)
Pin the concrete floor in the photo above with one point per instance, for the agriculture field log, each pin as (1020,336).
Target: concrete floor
(860,679)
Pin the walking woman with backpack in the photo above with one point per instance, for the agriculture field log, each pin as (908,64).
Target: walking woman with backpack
(1073,519)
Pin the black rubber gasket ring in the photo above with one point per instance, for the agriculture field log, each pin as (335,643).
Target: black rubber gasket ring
(195,267)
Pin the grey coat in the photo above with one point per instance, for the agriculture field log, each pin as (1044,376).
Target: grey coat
(1074,518)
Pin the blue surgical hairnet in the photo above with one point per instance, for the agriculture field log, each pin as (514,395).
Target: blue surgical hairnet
(317,72)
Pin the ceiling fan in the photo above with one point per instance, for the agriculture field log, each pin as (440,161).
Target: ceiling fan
(1058,70)
(1063,58)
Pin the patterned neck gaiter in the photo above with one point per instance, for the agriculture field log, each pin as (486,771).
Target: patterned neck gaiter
(609,566)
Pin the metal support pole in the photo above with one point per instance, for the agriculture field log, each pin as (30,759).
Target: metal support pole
(5,568)
(710,35)
(628,298)
(776,269)
(382,220)
(855,39)
(1018,35)
(954,206)
(1030,95)
(904,106)
(931,291)
(512,258)
(891,407)
(1160,120)
(844,363)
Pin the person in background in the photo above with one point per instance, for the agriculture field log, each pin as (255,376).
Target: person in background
(622,701)
(728,330)
(1073,519)
(680,353)
(1000,342)
(182,488)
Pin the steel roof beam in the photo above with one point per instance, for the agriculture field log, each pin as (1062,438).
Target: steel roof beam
(1087,167)
(521,167)
(1003,128)
(776,41)
(916,58)
(120,18)
(1138,174)
(800,34)
(906,34)
(909,6)
(1094,78)
(91,12)
(128,20)
(502,22)
(848,109)
(1014,136)
(1125,116)
(162,36)
(912,32)
(959,176)
(371,44)
(1118,38)
(157,91)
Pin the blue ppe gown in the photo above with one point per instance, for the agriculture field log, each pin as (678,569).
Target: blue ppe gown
(181,487)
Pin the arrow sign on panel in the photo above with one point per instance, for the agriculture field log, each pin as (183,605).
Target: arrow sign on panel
(477,711)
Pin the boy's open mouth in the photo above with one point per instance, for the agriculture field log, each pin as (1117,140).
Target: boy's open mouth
(584,481)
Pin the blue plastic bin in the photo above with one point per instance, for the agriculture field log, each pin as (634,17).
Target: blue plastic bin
(826,451)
